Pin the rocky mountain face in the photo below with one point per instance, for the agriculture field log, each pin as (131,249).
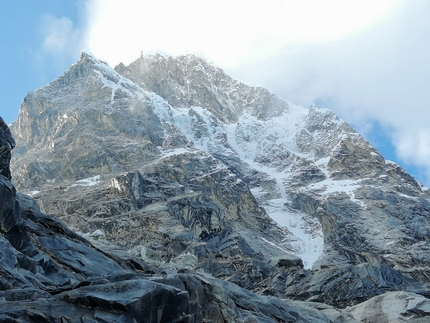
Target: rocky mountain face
(51,274)
(179,175)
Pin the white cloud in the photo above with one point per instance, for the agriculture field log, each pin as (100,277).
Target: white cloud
(369,60)
(60,36)
(225,31)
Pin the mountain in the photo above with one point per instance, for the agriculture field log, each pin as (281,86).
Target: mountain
(180,167)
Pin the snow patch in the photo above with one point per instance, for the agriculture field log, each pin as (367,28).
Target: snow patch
(97,233)
(91,181)
(33,193)
(330,186)
(307,238)
(173,152)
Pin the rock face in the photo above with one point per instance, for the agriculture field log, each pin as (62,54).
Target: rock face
(173,162)
(6,145)
(393,307)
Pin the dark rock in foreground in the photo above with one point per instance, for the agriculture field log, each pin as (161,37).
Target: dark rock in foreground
(7,143)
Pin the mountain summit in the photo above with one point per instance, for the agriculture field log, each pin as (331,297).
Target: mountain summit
(175,162)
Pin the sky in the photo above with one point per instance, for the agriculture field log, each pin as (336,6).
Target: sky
(367,61)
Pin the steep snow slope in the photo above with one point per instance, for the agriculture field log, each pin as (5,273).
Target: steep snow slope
(264,146)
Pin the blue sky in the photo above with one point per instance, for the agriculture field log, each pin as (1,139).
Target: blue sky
(368,61)
(24,64)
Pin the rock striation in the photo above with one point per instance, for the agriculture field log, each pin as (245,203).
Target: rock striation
(174,164)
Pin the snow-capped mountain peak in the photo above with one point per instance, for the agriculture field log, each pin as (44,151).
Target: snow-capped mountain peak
(190,160)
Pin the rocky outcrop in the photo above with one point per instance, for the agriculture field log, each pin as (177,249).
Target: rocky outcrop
(208,222)
(6,145)
(393,307)
(9,208)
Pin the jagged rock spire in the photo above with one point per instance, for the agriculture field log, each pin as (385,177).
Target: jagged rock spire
(6,145)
